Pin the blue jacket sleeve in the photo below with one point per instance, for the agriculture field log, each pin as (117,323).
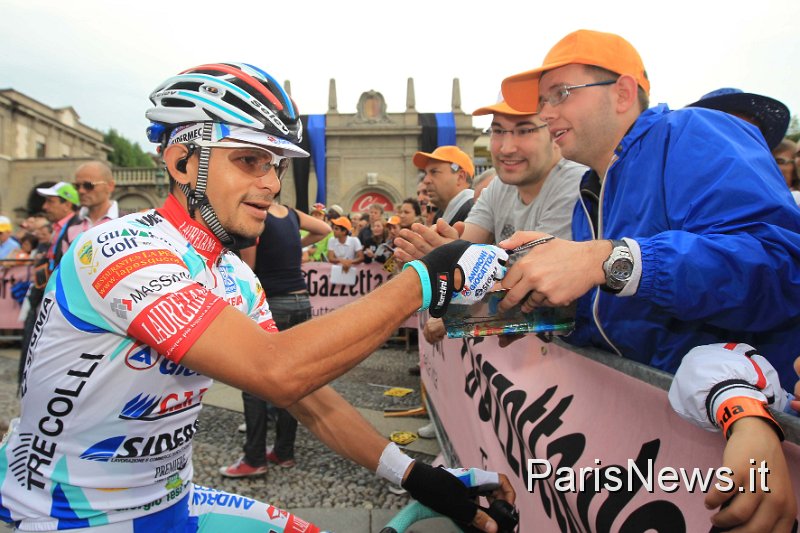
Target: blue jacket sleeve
(731,255)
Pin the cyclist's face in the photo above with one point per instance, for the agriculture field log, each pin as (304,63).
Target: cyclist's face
(238,189)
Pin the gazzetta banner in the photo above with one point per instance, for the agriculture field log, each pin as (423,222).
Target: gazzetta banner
(587,447)
(9,308)
(326,296)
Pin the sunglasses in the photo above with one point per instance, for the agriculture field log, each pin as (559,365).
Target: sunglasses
(254,160)
(87,185)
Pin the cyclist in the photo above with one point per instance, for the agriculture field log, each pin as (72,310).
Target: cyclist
(146,310)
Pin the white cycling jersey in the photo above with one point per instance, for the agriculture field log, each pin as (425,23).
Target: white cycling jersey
(108,411)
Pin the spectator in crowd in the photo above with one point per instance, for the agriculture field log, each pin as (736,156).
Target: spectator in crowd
(95,184)
(277,265)
(428,210)
(394,227)
(482,181)
(318,251)
(681,259)
(448,176)
(360,222)
(409,213)
(770,116)
(8,244)
(536,190)
(784,154)
(377,246)
(375,211)
(343,248)
(27,244)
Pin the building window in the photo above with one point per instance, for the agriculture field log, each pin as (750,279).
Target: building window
(41,148)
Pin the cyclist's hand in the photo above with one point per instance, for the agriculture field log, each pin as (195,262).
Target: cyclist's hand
(450,495)
(462,268)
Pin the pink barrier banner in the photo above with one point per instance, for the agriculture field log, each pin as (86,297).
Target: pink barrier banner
(9,308)
(326,296)
(540,413)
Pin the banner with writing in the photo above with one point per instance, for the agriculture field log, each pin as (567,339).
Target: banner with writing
(326,296)
(588,448)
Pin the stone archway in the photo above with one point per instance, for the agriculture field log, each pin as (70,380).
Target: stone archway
(135,202)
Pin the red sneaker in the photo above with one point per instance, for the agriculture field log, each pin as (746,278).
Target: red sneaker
(273,458)
(241,469)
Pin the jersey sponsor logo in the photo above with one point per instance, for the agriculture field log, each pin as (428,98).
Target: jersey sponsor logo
(113,235)
(141,357)
(41,319)
(198,237)
(121,306)
(170,468)
(86,255)
(122,448)
(111,248)
(171,368)
(168,321)
(156,285)
(145,407)
(129,264)
(38,451)
(226,271)
(206,496)
(150,219)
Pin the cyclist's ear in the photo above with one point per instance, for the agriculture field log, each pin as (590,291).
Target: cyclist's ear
(176,158)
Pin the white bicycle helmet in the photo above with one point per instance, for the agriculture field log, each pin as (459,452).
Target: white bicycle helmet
(235,94)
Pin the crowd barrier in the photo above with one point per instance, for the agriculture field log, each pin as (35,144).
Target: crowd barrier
(11,272)
(498,408)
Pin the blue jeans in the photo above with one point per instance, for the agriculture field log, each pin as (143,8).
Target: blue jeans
(287,311)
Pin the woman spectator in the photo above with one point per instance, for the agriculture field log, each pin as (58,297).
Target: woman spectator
(784,155)
(409,213)
(376,246)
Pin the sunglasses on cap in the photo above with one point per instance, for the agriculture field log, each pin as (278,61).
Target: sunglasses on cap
(256,161)
(87,185)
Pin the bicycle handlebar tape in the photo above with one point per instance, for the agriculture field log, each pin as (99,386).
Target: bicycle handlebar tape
(441,491)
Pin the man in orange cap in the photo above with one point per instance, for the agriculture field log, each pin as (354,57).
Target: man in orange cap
(448,177)
(684,222)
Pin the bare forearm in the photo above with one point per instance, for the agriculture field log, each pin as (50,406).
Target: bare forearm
(325,413)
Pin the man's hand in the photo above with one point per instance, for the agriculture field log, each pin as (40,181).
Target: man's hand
(776,510)
(553,274)
(419,240)
(434,330)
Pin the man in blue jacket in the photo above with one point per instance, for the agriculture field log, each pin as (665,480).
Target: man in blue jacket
(686,233)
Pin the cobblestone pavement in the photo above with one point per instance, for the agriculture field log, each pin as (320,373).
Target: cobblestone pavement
(321,478)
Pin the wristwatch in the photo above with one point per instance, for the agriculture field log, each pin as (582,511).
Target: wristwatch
(618,267)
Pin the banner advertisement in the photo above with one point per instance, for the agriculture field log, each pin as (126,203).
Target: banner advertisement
(587,447)
(326,296)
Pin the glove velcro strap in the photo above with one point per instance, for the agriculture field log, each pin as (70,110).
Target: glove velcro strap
(739,407)
(441,491)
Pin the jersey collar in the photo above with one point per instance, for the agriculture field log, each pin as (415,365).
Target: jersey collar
(198,235)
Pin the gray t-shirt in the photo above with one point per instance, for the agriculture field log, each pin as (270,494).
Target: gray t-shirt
(500,211)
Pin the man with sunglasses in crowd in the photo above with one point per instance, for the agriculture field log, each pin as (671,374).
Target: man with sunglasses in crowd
(145,311)
(685,232)
(95,184)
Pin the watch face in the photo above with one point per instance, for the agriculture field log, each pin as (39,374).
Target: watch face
(621,269)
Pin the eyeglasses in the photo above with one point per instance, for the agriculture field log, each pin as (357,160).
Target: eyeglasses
(256,161)
(88,185)
(560,93)
(784,161)
(520,133)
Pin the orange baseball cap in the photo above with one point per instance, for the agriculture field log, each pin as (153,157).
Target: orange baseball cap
(394,220)
(585,47)
(344,222)
(448,154)
(502,108)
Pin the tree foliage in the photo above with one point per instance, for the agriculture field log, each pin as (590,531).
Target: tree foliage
(794,129)
(126,153)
